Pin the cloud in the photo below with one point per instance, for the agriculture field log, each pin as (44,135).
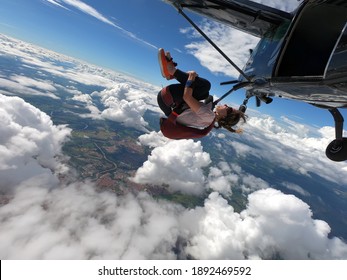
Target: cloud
(29,82)
(295,188)
(181,164)
(76,222)
(119,109)
(224,177)
(24,85)
(177,164)
(42,216)
(153,139)
(29,142)
(89,10)
(122,102)
(85,8)
(291,145)
(231,41)
(57,4)
(221,179)
(274,225)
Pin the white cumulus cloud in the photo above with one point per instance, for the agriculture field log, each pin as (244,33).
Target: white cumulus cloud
(178,164)
(274,225)
(29,142)
(119,109)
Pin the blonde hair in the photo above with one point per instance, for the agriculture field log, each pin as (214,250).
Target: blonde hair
(232,118)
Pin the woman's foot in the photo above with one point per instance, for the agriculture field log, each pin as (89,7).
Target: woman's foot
(167,65)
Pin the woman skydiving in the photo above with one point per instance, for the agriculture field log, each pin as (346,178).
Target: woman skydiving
(189,106)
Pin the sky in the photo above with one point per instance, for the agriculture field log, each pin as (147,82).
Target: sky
(125,36)
(42,217)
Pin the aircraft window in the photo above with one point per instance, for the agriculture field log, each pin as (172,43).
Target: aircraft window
(312,40)
(337,65)
(263,57)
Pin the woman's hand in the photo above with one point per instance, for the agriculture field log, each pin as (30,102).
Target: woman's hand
(192,75)
(188,93)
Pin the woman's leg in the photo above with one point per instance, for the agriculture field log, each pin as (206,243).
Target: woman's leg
(200,91)
(163,106)
(201,86)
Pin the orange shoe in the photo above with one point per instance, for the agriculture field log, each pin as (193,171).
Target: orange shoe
(167,66)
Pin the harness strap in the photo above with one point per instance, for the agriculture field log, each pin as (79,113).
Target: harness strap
(172,117)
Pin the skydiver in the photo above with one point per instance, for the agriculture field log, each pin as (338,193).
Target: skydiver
(188,95)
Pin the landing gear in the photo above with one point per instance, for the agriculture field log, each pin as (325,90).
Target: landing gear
(337,149)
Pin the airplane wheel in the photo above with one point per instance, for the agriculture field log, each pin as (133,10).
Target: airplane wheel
(337,150)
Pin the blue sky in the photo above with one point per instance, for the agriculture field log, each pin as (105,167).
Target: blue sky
(125,35)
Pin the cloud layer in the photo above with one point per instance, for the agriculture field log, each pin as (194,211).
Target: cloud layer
(124,102)
(44,218)
(273,225)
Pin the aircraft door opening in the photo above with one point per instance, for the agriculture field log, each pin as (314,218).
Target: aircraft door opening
(312,40)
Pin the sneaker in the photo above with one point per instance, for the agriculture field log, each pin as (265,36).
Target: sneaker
(171,66)
(167,66)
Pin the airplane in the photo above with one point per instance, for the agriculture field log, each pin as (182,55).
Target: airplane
(301,55)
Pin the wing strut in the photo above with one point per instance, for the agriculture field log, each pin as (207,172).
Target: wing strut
(180,10)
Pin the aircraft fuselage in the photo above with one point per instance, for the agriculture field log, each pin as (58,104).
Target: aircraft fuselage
(304,58)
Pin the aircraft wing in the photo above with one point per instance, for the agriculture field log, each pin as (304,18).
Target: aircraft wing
(247,16)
